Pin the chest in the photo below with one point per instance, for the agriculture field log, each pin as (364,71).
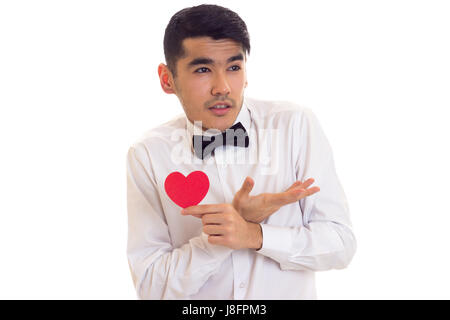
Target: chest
(226,171)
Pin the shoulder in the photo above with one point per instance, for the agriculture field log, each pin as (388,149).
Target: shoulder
(160,137)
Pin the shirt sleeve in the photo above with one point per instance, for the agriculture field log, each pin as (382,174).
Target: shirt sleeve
(160,271)
(325,239)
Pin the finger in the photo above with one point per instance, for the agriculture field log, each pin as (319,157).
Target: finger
(247,186)
(291,196)
(213,218)
(284,198)
(213,229)
(307,183)
(304,184)
(300,194)
(216,239)
(294,195)
(202,209)
(309,192)
(296,192)
(294,185)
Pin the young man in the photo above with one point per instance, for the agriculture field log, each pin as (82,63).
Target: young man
(234,245)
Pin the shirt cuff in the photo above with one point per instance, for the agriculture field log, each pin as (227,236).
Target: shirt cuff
(277,242)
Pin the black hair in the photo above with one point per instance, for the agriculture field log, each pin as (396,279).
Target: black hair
(202,21)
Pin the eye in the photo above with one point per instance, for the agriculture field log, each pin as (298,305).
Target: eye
(236,68)
(203,70)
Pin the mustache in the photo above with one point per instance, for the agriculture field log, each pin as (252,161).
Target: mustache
(229,101)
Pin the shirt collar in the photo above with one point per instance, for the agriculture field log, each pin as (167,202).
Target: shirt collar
(243,117)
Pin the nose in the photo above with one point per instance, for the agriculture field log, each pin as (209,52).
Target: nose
(220,85)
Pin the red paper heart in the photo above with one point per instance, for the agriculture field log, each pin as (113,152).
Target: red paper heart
(187,191)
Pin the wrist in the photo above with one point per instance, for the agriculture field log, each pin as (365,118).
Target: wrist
(256,236)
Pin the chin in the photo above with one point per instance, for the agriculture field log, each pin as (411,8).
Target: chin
(219,123)
(222,125)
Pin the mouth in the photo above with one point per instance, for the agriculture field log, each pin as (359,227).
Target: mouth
(220,109)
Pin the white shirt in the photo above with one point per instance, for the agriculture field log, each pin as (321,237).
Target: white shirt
(170,257)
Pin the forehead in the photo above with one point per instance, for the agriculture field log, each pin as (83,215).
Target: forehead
(207,47)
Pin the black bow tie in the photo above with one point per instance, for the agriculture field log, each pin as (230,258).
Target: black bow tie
(236,136)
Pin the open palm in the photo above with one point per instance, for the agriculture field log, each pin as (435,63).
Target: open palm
(257,208)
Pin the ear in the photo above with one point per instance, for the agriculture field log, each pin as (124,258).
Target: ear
(165,78)
(246,82)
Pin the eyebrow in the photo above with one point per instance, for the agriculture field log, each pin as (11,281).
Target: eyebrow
(203,60)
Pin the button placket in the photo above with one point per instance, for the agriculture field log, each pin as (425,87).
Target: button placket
(239,258)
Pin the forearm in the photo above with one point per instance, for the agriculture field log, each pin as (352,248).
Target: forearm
(322,246)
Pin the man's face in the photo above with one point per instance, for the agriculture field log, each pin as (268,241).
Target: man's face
(212,72)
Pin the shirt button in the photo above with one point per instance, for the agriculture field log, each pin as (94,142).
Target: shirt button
(242,285)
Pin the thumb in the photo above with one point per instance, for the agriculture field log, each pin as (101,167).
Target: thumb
(247,186)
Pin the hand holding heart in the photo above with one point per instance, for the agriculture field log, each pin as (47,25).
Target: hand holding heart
(221,222)
(257,208)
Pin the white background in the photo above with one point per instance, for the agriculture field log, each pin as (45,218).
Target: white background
(78,84)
